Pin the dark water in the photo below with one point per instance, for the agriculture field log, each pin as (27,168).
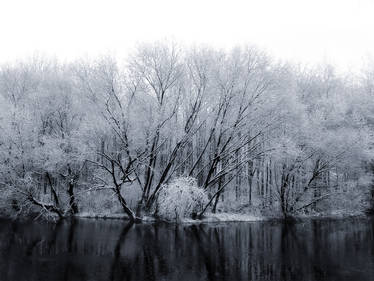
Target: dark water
(111,250)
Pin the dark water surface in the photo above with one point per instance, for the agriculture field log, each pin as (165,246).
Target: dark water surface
(113,250)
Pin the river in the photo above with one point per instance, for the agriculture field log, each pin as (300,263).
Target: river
(89,250)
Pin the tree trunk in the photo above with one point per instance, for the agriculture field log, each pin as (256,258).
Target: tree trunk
(124,206)
(72,202)
(250,179)
(214,210)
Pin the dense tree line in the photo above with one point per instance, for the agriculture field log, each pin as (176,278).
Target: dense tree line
(257,136)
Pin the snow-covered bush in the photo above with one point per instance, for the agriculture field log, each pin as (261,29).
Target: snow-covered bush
(179,199)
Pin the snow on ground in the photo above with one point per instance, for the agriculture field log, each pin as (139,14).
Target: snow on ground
(209,217)
(220,217)
(90,215)
(228,217)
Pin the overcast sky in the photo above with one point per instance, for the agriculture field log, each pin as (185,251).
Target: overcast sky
(308,31)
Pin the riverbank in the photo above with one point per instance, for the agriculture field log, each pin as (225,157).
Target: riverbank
(215,218)
(227,217)
(209,217)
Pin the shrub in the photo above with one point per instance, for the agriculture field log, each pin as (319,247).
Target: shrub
(179,199)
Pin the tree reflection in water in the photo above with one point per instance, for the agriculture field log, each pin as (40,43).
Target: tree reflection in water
(116,250)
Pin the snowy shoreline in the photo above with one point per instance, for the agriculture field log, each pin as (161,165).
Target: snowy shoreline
(225,217)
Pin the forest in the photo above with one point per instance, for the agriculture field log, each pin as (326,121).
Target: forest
(176,132)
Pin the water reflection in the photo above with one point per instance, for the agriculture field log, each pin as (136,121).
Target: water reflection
(114,250)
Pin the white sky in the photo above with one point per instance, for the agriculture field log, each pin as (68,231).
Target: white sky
(311,31)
